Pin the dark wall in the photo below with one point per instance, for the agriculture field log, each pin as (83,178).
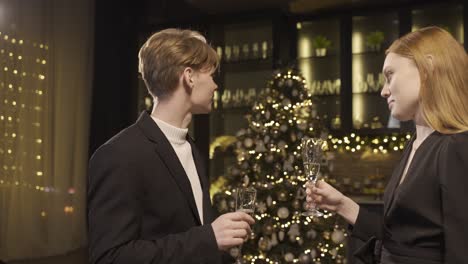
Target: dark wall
(119,25)
(115,69)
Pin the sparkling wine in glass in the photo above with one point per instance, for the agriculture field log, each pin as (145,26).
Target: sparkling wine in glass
(312,153)
(245,202)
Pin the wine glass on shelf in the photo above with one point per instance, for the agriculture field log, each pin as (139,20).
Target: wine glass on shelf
(312,153)
(245,202)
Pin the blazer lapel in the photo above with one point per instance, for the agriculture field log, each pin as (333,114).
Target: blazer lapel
(169,157)
(208,215)
(389,195)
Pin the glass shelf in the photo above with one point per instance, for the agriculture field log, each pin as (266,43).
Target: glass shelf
(246,52)
(321,69)
(370,37)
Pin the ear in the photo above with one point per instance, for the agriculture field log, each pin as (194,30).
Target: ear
(187,77)
(430,60)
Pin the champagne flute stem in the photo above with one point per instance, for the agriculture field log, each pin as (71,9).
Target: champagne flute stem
(239,256)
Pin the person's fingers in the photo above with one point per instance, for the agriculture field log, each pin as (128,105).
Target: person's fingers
(312,197)
(318,199)
(321,184)
(320,191)
(239,233)
(241,216)
(232,242)
(327,207)
(240,225)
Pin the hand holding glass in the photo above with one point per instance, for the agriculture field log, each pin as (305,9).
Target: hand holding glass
(312,153)
(245,202)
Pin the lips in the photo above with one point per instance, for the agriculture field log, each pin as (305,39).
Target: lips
(390,104)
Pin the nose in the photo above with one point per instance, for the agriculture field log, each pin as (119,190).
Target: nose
(385,93)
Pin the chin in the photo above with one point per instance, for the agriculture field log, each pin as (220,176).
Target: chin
(201,110)
(401,117)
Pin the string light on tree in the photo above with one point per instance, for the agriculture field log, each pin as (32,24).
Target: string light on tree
(268,158)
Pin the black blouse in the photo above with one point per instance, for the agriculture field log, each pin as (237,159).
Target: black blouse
(425,217)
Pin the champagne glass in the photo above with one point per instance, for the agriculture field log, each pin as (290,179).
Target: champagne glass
(245,202)
(312,152)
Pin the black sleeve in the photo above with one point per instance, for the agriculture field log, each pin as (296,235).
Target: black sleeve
(453,172)
(368,228)
(114,220)
(368,224)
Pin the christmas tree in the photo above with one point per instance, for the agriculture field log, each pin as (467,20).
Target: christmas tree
(269,159)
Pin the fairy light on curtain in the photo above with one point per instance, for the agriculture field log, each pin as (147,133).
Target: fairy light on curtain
(46,52)
(23,93)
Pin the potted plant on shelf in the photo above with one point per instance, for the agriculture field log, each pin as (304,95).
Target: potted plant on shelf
(374,40)
(321,44)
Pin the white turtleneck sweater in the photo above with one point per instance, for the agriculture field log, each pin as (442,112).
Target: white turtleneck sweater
(422,132)
(178,139)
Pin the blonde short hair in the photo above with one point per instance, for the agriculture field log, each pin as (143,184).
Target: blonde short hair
(167,53)
(442,63)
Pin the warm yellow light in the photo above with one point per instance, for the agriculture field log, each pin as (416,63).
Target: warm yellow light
(21,42)
(43,214)
(20,57)
(38,157)
(44,62)
(39,173)
(42,77)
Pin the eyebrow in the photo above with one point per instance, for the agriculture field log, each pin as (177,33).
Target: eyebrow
(386,70)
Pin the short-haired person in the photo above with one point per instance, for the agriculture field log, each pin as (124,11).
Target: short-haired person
(425,218)
(148,191)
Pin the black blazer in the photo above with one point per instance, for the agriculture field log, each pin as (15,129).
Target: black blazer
(140,204)
(425,217)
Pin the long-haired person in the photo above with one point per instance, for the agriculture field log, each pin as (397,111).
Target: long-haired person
(425,218)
